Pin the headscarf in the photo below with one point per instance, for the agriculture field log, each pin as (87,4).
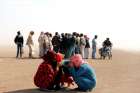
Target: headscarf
(77,60)
(31,32)
(52,56)
(59,57)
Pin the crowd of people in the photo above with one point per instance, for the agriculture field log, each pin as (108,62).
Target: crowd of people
(63,60)
(68,44)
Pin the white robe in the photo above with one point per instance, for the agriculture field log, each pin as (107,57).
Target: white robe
(41,45)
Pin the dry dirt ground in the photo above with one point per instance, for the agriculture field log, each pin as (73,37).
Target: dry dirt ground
(119,75)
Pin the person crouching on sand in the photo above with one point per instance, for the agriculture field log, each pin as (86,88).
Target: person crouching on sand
(48,75)
(82,73)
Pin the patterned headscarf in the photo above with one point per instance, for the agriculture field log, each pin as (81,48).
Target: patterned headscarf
(77,60)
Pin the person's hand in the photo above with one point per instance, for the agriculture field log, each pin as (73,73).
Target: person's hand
(57,68)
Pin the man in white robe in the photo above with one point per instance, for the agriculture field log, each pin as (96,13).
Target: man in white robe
(41,44)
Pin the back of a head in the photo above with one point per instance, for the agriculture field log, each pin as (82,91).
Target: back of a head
(81,35)
(77,35)
(62,35)
(32,32)
(66,34)
(42,33)
(107,39)
(74,33)
(96,36)
(56,33)
(50,34)
(18,33)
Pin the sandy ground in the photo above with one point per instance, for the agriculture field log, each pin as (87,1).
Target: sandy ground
(119,75)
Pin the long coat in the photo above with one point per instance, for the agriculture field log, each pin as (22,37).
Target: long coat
(45,76)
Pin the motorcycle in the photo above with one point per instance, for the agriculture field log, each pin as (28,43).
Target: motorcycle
(105,52)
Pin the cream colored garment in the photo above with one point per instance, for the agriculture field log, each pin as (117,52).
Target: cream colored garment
(41,41)
(30,40)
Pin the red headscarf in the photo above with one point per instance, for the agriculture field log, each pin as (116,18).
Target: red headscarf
(59,57)
(52,56)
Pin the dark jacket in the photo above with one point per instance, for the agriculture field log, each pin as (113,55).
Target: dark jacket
(19,39)
(87,44)
(56,40)
(107,43)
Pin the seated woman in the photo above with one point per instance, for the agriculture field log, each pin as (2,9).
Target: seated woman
(82,73)
(48,74)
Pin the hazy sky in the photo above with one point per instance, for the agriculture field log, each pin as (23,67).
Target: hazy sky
(117,19)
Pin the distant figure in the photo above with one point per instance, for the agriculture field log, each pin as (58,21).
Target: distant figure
(107,43)
(30,44)
(62,44)
(73,45)
(19,42)
(41,43)
(106,50)
(77,47)
(94,44)
(82,44)
(87,46)
(47,42)
(56,42)
(69,45)
(50,41)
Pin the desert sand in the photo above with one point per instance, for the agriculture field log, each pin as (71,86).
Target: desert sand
(119,75)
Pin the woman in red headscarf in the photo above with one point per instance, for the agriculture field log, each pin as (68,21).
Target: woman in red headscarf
(48,73)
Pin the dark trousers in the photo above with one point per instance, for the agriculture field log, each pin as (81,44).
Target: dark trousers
(19,50)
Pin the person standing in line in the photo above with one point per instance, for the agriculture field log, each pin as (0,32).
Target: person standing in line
(73,44)
(94,45)
(30,44)
(68,45)
(77,48)
(87,46)
(62,43)
(82,44)
(50,41)
(41,42)
(46,42)
(56,42)
(19,42)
